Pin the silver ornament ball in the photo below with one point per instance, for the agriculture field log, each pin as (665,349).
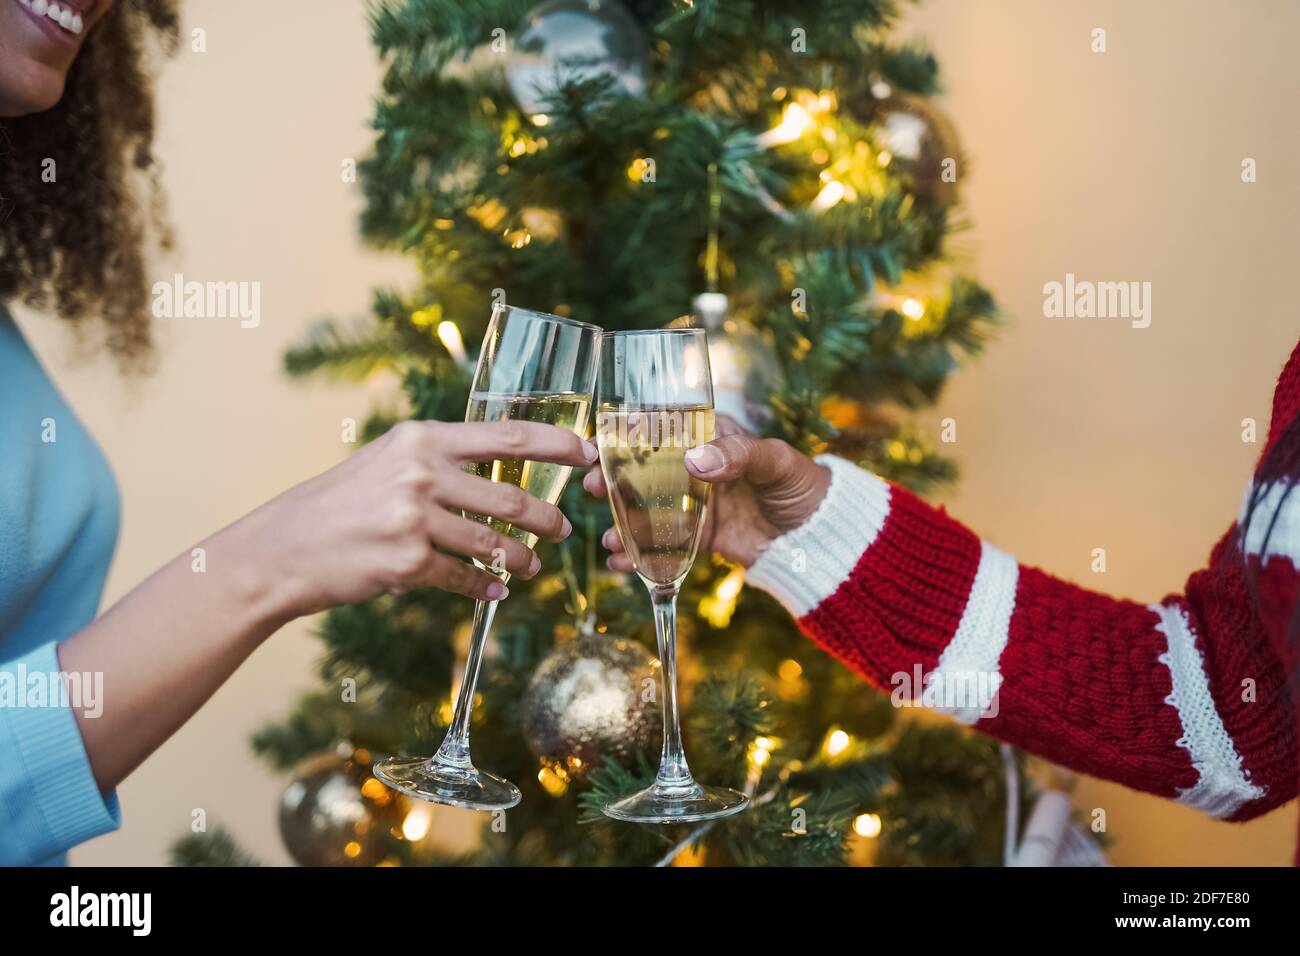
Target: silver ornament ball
(570,40)
(745,369)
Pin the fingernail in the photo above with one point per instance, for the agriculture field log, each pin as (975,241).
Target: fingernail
(589,450)
(534,566)
(609,538)
(567,529)
(705,458)
(496,591)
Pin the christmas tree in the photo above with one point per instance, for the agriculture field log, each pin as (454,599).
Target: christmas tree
(776,171)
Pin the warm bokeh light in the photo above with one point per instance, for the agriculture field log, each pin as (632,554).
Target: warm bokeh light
(837,742)
(912,308)
(829,196)
(717,608)
(867,825)
(552,781)
(449,336)
(418,821)
(430,315)
(789,670)
(795,121)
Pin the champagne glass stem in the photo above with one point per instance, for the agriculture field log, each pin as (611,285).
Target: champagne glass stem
(673,771)
(454,751)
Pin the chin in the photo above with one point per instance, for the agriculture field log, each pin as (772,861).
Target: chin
(30,87)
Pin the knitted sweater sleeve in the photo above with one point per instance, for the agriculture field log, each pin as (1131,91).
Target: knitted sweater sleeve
(1185,697)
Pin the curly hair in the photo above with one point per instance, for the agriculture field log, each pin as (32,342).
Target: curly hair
(77,245)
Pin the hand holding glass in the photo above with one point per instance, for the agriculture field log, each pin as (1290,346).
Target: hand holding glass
(532,367)
(655,401)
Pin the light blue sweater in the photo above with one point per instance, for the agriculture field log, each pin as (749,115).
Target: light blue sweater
(58,527)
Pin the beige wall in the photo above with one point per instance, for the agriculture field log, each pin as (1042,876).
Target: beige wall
(1072,434)
(1078,434)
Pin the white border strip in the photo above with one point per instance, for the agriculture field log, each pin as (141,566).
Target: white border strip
(972,658)
(1224,784)
(807,565)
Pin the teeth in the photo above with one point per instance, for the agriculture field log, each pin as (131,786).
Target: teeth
(66,17)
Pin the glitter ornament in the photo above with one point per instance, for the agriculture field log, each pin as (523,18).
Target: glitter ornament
(592,698)
(334,813)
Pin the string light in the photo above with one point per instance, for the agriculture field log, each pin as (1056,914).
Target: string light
(418,821)
(760,752)
(636,169)
(837,741)
(912,308)
(518,238)
(540,119)
(795,121)
(829,196)
(449,336)
(867,825)
(717,608)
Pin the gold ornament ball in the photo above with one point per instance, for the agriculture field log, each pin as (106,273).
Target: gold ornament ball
(588,701)
(335,813)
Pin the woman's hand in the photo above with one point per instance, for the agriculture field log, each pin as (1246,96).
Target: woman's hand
(762,489)
(387,519)
(384,520)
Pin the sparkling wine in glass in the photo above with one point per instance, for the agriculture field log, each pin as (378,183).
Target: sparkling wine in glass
(533,367)
(655,402)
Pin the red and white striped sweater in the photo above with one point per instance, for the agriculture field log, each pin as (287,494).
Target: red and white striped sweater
(1185,698)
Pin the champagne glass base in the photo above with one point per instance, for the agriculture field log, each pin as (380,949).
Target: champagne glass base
(679,804)
(424,779)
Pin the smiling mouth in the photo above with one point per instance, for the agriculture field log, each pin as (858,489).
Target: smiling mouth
(61,14)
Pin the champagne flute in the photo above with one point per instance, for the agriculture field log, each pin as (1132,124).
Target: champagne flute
(532,367)
(655,398)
